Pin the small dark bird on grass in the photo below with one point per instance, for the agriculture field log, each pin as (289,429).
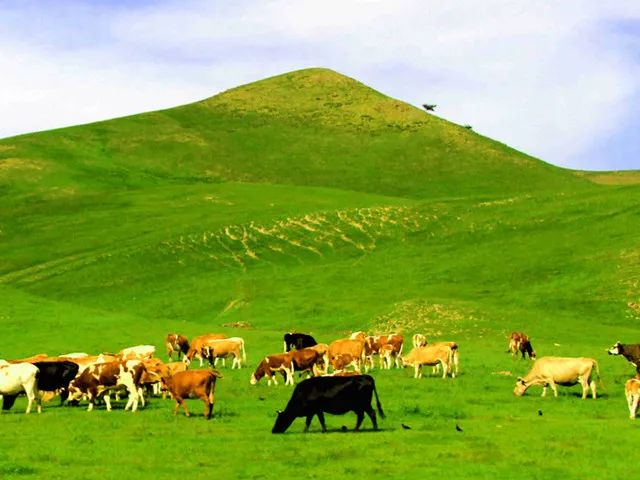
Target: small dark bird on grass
(261,399)
(406,427)
(458,428)
(343,428)
(540,413)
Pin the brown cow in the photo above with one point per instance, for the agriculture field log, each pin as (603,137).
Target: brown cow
(98,379)
(347,346)
(268,366)
(176,343)
(376,342)
(323,351)
(307,360)
(342,361)
(197,345)
(520,342)
(193,383)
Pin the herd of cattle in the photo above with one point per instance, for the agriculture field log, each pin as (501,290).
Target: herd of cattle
(339,381)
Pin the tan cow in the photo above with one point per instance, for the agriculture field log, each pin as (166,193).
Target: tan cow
(139,352)
(268,366)
(193,383)
(347,346)
(225,348)
(566,371)
(197,344)
(632,393)
(430,355)
(455,358)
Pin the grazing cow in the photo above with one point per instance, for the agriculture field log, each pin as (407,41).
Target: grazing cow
(515,339)
(632,393)
(298,341)
(225,348)
(431,355)
(268,366)
(419,340)
(193,383)
(566,371)
(176,343)
(630,351)
(55,376)
(98,379)
(525,347)
(139,352)
(16,378)
(197,344)
(347,346)
(335,395)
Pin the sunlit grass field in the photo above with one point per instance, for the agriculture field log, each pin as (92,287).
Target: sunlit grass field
(274,208)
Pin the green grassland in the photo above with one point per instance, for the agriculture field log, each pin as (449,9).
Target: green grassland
(309,202)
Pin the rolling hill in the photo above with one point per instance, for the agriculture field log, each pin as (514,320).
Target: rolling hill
(309,201)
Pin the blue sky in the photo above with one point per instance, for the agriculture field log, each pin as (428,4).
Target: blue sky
(558,80)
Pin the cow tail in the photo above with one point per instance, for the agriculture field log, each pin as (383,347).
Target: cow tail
(211,385)
(595,364)
(244,353)
(378,405)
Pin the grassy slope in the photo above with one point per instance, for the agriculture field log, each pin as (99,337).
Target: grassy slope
(310,202)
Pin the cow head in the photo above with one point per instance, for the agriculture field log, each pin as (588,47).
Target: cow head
(283,421)
(616,349)
(521,387)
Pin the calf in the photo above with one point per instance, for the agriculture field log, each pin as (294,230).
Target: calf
(98,379)
(376,343)
(630,351)
(632,393)
(225,348)
(298,341)
(515,339)
(566,371)
(176,343)
(353,347)
(271,364)
(335,395)
(17,378)
(193,383)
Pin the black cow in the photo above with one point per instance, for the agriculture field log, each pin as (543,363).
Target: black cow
(630,351)
(56,376)
(335,395)
(298,341)
(525,347)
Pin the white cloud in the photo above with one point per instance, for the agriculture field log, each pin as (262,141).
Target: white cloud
(542,77)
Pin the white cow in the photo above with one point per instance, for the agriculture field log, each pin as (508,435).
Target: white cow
(567,371)
(16,378)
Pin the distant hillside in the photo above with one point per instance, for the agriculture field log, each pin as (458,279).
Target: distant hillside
(311,127)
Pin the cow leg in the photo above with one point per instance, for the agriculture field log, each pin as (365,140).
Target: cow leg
(445,369)
(633,406)
(30,398)
(207,405)
(417,371)
(321,418)
(359,419)
(592,384)
(554,387)
(544,390)
(307,423)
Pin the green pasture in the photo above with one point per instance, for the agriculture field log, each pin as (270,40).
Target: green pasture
(308,202)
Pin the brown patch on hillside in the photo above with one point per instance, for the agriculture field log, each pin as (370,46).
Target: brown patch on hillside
(630,177)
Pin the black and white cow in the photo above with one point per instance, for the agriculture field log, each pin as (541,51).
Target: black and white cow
(298,341)
(55,376)
(630,351)
(335,395)
(17,378)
